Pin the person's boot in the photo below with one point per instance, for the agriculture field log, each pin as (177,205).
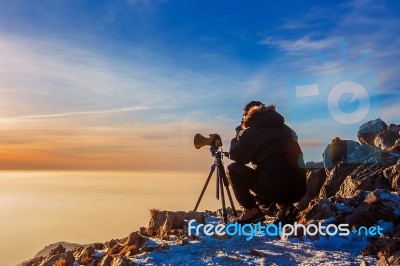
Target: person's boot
(253,215)
(287,214)
(267,207)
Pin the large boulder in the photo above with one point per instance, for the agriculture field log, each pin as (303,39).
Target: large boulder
(368,131)
(335,179)
(338,151)
(386,139)
(315,180)
(322,210)
(378,134)
(365,154)
(366,177)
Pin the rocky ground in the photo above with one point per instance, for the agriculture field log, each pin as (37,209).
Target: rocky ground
(358,183)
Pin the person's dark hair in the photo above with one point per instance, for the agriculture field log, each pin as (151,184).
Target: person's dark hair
(251,104)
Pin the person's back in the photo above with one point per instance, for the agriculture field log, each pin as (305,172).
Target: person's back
(272,147)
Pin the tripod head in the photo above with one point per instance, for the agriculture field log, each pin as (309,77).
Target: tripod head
(214,151)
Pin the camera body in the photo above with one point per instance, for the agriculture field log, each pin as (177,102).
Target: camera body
(214,140)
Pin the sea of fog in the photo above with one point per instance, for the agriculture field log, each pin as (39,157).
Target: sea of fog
(38,208)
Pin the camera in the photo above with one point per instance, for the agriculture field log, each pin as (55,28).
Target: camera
(214,140)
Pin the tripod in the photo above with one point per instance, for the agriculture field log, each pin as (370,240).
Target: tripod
(222,181)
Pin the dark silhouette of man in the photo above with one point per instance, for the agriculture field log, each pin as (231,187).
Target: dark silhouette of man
(277,176)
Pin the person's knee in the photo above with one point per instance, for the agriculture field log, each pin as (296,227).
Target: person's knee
(233,169)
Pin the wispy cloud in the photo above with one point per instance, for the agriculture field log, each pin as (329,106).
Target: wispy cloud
(301,45)
(98,112)
(55,79)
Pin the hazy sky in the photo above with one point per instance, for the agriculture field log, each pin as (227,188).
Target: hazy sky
(125,84)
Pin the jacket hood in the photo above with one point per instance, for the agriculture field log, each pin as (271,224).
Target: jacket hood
(263,116)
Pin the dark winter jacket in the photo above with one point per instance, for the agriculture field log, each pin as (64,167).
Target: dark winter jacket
(272,147)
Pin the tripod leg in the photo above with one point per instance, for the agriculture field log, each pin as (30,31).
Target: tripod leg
(231,201)
(219,178)
(226,184)
(218,185)
(205,187)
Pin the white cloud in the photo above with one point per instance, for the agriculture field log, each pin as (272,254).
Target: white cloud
(301,45)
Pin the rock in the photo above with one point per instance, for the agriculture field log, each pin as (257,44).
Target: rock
(315,180)
(46,250)
(395,148)
(69,258)
(116,261)
(394,127)
(60,259)
(323,209)
(392,174)
(256,253)
(368,131)
(365,154)
(115,250)
(366,177)
(222,237)
(364,263)
(387,250)
(106,261)
(163,221)
(98,246)
(338,151)
(129,246)
(314,165)
(378,205)
(358,198)
(122,261)
(383,261)
(135,240)
(33,262)
(386,139)
(51,260)
(335,179)
(111,243)
(58,250)
(151,246)
(84,256)
(395,258)
(183,242)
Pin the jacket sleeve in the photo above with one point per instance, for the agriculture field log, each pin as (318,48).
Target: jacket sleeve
(244,147)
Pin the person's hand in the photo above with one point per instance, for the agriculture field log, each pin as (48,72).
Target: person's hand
(237,130)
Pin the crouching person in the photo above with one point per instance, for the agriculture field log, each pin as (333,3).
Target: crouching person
(278,175)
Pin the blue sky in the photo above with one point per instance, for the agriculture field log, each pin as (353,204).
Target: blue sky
(92,84)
